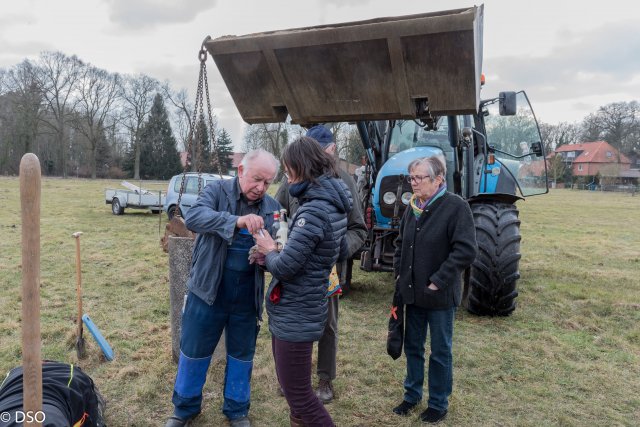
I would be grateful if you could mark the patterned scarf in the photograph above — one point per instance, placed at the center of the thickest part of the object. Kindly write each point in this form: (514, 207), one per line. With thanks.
(418, 207)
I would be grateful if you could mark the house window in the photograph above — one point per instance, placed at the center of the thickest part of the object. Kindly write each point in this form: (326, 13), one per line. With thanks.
(571, 154)
(579, 167)
(609, 154)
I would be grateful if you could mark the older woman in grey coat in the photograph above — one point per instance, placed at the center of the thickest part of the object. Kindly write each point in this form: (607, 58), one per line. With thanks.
(436, 243)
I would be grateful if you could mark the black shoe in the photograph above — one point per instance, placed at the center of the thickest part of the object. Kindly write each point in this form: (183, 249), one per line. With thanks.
(177, 422)
(433, 416)
(325, 391)
(404, 408)
(240, 422)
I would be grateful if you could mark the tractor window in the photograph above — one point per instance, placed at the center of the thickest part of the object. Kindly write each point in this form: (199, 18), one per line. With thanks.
(514, 139)
(408, 134)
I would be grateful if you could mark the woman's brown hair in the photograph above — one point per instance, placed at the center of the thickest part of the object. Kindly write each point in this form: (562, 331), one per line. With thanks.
(307, 160)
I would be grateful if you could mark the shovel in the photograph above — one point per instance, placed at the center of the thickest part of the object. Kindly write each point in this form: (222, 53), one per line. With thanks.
(80, 345)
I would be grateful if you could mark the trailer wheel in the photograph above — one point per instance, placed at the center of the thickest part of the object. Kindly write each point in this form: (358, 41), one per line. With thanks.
(494, 273)
(116, 207)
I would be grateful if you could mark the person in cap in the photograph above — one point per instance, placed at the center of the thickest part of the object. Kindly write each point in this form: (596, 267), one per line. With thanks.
(356, 234)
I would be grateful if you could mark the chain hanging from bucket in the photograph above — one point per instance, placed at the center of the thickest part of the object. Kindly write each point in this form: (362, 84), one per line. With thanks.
(194, 131)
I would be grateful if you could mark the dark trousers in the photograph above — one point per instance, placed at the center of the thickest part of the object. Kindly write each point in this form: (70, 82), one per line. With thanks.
(293, 369)
(328, 344)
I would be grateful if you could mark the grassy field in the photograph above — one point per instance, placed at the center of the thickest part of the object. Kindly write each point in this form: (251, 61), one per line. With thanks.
(569, 355)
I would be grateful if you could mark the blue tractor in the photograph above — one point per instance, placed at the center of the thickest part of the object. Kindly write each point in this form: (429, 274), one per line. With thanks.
(411, 85)
(494, 158)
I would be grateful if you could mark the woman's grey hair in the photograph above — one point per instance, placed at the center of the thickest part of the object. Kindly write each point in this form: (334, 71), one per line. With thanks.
(435, 165)
(259, 152)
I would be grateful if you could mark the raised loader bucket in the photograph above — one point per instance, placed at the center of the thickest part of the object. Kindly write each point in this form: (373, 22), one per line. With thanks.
(389, 68)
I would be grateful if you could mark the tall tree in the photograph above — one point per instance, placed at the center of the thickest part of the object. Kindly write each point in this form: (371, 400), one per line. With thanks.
(159, 158)
(137, 94)
(617, 123)
(224, 151)
(271, 137)
(57, 75)
(556, 167)
(553, 136)
(27, 105)
(98, 92)
(183, 110)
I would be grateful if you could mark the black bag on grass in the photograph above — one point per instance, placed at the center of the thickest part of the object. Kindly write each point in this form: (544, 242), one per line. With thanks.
(395, 336)
(69, 398)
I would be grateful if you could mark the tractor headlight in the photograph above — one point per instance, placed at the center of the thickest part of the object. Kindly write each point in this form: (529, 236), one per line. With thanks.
(406, 197)
(389, 198)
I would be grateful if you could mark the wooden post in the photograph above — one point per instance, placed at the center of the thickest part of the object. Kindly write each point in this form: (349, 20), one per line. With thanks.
(31, 358)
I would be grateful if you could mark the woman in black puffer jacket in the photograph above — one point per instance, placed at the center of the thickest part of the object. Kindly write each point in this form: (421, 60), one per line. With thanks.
(296, 298)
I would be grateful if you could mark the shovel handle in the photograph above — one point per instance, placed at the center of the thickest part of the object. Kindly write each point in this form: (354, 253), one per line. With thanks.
(31, 356)
(77, 235)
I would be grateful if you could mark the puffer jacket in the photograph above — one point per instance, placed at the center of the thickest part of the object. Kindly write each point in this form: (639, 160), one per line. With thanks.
(316, 239)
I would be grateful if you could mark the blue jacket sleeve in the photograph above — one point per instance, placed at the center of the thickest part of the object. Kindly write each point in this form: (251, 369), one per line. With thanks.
(210, 214)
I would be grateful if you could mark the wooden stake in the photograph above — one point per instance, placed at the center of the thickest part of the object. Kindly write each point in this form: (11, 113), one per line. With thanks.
(31, 355)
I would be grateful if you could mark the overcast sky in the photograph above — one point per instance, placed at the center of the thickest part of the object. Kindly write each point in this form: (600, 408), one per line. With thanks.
(570, 56)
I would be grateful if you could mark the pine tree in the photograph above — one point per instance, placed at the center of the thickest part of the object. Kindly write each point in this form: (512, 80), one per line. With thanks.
(225, 151)
(159, 158)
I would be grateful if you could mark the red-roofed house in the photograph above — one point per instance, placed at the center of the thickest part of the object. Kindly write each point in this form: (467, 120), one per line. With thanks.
(593, 158)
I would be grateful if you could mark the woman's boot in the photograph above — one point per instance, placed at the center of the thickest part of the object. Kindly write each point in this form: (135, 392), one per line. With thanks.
(295, 422)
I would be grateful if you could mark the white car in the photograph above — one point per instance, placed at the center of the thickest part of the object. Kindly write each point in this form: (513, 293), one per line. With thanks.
(190, 192)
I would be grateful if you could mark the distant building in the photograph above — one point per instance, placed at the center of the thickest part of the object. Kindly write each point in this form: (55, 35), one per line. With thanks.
(590, 159)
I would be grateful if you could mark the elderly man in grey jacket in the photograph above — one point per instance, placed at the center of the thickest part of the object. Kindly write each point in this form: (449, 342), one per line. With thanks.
(226, 290)
(356, 234)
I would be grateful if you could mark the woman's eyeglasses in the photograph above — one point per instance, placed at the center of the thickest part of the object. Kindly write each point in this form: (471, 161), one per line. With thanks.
(416, 178)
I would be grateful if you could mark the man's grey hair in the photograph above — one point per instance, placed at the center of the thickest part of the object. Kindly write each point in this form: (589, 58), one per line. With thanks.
(436, 165)
(257, 153)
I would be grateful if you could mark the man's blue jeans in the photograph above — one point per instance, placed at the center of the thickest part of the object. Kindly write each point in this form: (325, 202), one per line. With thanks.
(202, 325)
(440, 326)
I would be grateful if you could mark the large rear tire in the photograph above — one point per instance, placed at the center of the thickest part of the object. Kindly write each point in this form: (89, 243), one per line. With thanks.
(494, 273)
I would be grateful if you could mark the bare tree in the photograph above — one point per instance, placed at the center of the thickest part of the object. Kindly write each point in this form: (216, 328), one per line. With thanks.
(136, 93)
(553, 136)
(57, 75)
(98, 92)
(21, 87)
(617, 123)
(556, 167)
(271, 137)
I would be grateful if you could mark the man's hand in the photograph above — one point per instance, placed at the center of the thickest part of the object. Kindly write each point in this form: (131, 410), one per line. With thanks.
(257, 258)
(251, 222)
(433, 287)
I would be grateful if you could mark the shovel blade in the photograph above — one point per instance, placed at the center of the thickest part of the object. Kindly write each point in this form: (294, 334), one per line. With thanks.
(81, 348)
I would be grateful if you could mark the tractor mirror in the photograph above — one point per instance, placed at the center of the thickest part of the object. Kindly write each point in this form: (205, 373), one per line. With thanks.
(536, 148)
(507, 104)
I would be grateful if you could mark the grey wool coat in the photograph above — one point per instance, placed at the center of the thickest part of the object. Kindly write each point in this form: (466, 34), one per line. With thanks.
(436, 249)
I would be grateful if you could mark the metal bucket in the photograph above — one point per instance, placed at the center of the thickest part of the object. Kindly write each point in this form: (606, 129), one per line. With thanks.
(403, 67)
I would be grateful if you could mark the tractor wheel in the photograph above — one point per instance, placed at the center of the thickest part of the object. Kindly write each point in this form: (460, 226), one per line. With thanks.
(116, 207)
(494, 273)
